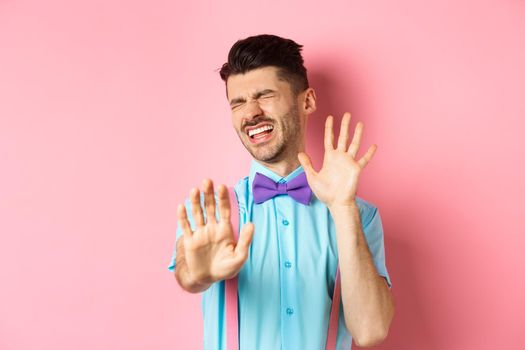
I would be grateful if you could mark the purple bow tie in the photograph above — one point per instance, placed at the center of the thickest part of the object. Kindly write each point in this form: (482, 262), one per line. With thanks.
(265, 188)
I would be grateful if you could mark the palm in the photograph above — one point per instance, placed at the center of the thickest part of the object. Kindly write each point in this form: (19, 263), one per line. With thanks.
(211, 252)
(336, 183)
(213, 245)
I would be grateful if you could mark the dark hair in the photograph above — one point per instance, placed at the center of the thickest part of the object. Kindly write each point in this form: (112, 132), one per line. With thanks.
(268, 50)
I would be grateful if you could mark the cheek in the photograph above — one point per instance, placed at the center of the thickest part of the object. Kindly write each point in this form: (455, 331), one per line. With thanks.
(275, 108)
(284, 108)
(236, 123)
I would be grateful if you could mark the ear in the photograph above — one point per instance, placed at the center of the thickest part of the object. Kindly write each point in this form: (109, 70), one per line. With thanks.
(308, 101)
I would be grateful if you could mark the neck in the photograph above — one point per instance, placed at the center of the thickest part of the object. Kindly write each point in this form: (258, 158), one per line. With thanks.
(287, 164)
(282, 168)
(289, 161)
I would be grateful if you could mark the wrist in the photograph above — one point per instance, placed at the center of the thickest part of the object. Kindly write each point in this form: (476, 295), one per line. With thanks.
(343, 207)
(201, 278)
(187, 282)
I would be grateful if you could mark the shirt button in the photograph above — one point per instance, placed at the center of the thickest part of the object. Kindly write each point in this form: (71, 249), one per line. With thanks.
(288, 264)
(285, 222)
(289, 311)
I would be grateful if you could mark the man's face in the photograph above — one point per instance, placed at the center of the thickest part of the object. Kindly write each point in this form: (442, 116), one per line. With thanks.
(265, 114)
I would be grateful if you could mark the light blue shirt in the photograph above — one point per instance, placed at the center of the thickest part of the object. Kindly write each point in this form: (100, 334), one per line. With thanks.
(287, 283)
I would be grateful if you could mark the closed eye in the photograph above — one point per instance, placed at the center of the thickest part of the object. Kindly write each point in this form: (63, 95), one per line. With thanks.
(236, 106)
(265, 94)
(240, 101)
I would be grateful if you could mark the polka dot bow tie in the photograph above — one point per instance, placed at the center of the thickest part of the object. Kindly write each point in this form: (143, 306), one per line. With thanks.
(264, 188)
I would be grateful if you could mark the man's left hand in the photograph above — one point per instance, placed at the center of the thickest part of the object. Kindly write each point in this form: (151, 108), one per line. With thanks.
(336, 183)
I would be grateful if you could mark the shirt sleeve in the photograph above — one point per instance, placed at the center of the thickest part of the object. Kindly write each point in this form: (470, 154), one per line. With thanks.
(373, 231)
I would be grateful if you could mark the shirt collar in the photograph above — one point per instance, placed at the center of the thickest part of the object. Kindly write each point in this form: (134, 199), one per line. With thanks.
(257, 167)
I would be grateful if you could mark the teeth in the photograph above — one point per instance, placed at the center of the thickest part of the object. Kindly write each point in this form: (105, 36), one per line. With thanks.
(259, 130)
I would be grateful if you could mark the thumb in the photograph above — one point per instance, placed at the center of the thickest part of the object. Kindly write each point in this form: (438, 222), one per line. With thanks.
(245, 238)
(306, 163)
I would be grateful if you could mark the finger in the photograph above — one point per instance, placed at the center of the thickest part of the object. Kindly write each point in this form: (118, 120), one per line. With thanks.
(329, 133)
(356, 140)
(245, 238)
(182, 217)
(224, 203)
(368, 155)
(209, 200)
(343, 132)
(306, 163)
(196, 210)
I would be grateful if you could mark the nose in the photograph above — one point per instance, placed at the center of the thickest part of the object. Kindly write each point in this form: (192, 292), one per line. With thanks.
(252, 110)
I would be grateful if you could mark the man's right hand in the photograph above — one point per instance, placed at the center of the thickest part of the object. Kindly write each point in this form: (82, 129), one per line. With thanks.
(210, 252)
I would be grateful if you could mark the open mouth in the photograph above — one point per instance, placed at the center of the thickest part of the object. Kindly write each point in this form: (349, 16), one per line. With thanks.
(260, 134)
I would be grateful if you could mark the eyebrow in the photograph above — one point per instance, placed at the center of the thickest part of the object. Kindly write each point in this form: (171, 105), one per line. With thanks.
(255, 96)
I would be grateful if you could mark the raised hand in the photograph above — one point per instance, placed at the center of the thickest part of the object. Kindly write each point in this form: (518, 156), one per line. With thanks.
(336, 183)
(211, 252)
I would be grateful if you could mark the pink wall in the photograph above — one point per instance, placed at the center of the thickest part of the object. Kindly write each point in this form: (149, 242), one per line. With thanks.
(111, 110)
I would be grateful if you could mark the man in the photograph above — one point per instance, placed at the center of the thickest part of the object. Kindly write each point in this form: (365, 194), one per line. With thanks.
(288, 250)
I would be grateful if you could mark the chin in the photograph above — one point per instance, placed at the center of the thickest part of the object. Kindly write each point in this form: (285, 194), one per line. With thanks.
(269, 156)
(269, 152)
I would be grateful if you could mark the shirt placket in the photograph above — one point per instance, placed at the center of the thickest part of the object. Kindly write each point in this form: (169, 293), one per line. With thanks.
(287, 272)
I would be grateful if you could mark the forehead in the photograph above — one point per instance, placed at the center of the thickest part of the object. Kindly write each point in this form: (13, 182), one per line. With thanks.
(255, 80)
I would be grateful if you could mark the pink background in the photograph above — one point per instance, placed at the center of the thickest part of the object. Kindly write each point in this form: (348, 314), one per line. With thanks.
(110, 111)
